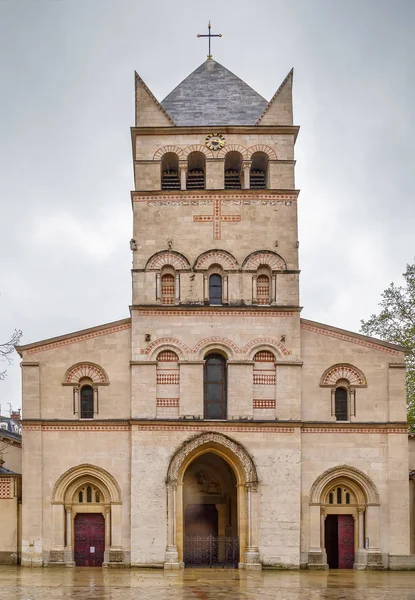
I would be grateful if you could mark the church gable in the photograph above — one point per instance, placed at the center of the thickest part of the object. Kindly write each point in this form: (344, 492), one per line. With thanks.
(279, 110)
(148, 111)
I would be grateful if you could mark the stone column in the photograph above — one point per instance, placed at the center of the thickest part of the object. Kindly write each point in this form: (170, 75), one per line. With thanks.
(58, 534)
(183, 174)
(252, 560)
(205, 288)
(322, 524)
(177, 288)
(361, 512)
(158, 286)
(274, 288)
(107, 527)
(116, 526)
(246, 165)
(69, 547)
(254, 289)
(225, 293)
(171, 560)
(317, 557)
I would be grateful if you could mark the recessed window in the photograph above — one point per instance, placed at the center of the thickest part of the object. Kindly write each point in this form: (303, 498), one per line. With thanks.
(87, 402)
(215, 387)
(340, 404)
(215, 289)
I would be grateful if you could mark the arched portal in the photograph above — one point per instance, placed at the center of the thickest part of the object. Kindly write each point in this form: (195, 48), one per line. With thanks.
(344, 520)
(209, 463)
(210, 512)
(86, 518)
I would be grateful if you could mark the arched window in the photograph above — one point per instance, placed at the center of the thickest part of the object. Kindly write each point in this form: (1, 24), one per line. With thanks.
(259, 169)
(233, 167)
(170, 172)
(195, 171)
(215, 401)
(89, 494)
(341, 493)
(215, 289)
(87, 402)
(81, 497)
(340, 404)
(167, 289)
(262, 290)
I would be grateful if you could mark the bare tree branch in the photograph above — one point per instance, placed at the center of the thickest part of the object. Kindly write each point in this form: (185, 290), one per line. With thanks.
(7, 349)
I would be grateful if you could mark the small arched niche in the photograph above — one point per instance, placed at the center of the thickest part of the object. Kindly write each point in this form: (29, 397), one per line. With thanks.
(170, 172)
(196, 171)
(259, 171)
(233, 170)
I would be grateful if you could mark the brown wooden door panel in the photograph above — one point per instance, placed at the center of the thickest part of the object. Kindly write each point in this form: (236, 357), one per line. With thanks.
(89, 540)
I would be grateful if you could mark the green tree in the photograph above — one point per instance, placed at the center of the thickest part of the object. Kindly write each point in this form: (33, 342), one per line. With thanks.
(396, 323)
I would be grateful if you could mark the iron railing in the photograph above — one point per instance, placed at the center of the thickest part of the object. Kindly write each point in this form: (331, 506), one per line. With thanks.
(211, 551)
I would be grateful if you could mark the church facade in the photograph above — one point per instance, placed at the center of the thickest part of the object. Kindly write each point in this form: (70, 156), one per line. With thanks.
(215, 425)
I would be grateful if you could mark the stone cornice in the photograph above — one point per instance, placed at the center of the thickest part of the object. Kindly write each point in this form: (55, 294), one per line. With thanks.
(188, 195)
(232, 425)
(202, 130)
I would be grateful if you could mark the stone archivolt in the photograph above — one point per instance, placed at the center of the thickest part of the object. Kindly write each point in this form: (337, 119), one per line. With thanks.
(86, 472)
(346, 473)
(216, 257)
(352, 374)
(210, 440)
(264, 257)
(167, 257)
(86, 369)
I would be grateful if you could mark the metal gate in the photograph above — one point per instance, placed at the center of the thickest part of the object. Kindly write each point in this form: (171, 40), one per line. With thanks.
(211, 551)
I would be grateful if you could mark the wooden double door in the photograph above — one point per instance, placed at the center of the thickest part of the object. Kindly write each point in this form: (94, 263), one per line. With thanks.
(89, 540)
(339, 541)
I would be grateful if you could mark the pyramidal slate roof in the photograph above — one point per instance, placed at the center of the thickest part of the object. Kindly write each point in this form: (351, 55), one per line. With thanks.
(212, 95)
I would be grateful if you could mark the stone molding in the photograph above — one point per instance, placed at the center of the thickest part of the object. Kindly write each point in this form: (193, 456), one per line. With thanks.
(264, 257)
(167, 257)
(348, 472)
(85, 470)
(207, 439)
(85, 369)
(219, 257)
(352, 374)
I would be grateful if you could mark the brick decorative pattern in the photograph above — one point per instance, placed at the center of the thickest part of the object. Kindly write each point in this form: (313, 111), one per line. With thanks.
(349, 338)
(210, 313)
(167, 402)
(271, 259)
(168, 378)
(217, 218)
(263, 198)
(264, 356)
(78, 338)
(227, 428)
(167, 356)
(233, 148)
(167, 289)
(258, 403)
(86, 369)
(262, 290)
(161, 259)
(354, 430)
(5, 488)
(262, 379)
(167, 149)
(349, 372)
(169, 341)
(197, 148)
(262, 148)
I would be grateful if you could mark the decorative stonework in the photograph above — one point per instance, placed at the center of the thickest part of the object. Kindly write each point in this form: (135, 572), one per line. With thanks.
(167, 402)
(86, 369)
(5, 488)
(215, 340)
(264, 379)
(167, 356)
(211, 438)
(116, 556)
(72, 339)
(197, 148)
(219, 257)
(233, 148)
(167, 257)
(346, 371)
(168, 379)
(264, 356)
(264, 257)
(57, 556)
(80, 471)
(270, 152)
(176, 344)
(344, 471)
(217, 218)
(260, 342)
(348, 338)
(259, 403)
(166, 150)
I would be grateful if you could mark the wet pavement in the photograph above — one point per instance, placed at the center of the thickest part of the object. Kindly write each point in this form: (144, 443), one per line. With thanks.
(202, 584)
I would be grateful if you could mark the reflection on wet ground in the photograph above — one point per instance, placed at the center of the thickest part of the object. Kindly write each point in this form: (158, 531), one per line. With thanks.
(202, 584)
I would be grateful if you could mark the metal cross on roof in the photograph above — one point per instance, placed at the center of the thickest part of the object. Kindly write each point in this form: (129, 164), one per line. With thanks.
(209, 35)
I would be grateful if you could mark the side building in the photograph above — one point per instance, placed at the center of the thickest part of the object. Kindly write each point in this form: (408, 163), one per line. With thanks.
(214, 425)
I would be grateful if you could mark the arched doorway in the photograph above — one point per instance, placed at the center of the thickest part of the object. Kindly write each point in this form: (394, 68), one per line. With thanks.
(86, 518)
(344, 521)
(210, 513)
(205, 463)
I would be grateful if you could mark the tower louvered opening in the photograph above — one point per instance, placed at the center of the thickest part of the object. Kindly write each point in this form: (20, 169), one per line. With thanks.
(170, 172)
(196, 171)
(233, 168)
(259, 168)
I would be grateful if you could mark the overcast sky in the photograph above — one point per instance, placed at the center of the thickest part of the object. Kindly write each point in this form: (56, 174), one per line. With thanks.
(66, 83)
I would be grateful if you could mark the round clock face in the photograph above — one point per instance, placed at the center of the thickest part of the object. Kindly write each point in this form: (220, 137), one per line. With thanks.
(215, 141)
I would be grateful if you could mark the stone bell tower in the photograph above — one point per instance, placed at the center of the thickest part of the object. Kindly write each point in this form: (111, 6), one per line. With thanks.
(215, 244)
